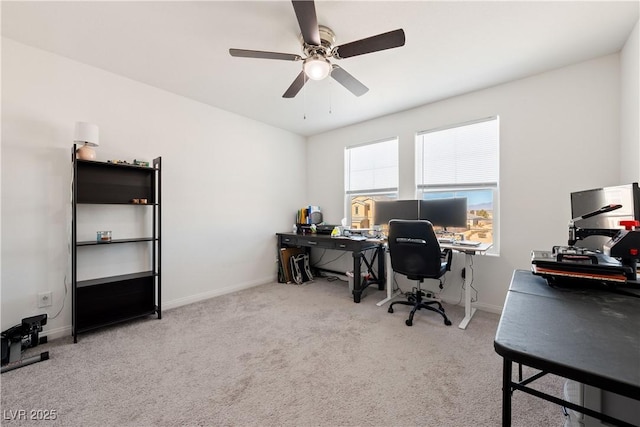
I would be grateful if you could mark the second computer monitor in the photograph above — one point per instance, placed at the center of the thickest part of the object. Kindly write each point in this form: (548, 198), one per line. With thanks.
(385, 211)
(445, 213)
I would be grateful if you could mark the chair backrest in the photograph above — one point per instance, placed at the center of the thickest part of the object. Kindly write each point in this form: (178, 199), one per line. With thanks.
(414, 249)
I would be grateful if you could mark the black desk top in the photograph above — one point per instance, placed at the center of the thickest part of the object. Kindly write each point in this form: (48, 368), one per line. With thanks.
(327, 241)
(589, 335)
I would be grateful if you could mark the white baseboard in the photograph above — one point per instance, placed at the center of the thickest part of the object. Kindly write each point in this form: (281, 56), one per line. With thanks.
(66, 331)
(62, 331)
(215, 293)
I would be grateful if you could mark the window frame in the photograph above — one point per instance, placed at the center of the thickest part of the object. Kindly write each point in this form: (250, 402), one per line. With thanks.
(382, 192)
(421, 188)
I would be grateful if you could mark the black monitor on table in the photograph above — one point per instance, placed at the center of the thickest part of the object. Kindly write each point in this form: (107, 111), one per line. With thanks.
(446, 213)
(386, 210)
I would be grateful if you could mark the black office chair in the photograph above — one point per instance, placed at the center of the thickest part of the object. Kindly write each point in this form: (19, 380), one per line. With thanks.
(415, 253)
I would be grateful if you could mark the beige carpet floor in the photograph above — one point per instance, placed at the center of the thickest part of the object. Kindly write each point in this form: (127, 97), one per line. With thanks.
(277, 355)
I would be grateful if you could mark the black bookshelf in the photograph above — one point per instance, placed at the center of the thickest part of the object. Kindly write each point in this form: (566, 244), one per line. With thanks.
(105, 301)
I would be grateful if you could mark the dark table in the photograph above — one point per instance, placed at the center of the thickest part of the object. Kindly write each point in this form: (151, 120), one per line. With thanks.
(358, 248)
(587, 334)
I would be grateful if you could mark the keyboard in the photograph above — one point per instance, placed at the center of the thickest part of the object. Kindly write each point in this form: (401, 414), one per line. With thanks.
(357, 237)
(445, 240)
(467, 243)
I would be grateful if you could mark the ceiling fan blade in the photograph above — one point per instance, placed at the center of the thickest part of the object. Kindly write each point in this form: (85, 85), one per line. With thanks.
(295, 86)
(308, 21)
(370, 44)
(347, 80)
(244, 53)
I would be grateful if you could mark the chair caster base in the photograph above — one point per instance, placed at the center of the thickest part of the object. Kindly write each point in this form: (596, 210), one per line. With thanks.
(408, 322)
(390, 310)
(447, 322)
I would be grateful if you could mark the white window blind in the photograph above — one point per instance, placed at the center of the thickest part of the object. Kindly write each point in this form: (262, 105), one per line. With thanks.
(464, 155)
(372, 167)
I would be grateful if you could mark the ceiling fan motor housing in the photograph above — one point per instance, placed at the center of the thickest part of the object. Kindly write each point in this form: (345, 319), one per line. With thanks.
(327, 41)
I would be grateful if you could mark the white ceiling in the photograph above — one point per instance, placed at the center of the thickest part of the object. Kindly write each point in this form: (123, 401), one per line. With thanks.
(452, 47)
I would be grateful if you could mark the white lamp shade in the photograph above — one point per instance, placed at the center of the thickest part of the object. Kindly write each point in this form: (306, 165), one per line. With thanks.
(316, 67)
(87, 133)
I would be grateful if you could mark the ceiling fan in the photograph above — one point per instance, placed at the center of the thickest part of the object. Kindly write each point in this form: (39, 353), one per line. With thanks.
(318, 46)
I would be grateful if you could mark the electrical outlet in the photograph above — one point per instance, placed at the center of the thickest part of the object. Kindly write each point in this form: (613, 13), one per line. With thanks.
(45, 299)
(464, 273)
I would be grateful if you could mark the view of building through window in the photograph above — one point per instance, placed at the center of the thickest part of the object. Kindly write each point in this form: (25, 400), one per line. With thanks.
(363, 209)
(479, 212)
(451, 162)
(462, 161)
(371, 174)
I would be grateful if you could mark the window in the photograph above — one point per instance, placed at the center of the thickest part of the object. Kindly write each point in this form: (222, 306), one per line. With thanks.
(462, 161)
(371, 174)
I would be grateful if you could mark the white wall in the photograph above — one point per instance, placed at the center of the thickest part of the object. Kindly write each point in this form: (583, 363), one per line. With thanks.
(559, 132)
(226, 182)
(630, 108)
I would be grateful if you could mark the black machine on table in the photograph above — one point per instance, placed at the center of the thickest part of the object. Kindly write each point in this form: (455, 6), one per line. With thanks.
(17, 339)
(616, 264)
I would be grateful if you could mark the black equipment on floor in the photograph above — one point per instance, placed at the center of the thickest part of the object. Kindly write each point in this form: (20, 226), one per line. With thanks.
(415, 253)
(17, 339)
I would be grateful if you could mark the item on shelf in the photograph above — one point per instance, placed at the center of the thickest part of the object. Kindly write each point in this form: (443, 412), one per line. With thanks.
(140, 163)
(135, 201)
(87, 134)
(143, 201)
(103, 236)
(118, 162)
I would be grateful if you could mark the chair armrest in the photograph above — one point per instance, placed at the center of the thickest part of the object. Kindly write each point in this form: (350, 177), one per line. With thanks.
(448, 255)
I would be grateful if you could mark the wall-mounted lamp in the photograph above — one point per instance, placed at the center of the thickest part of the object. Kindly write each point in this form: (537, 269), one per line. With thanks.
(86, 133)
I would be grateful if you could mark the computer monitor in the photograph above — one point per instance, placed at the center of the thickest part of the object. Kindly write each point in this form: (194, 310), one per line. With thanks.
(386, 210)
(586, 201)
(446, 213)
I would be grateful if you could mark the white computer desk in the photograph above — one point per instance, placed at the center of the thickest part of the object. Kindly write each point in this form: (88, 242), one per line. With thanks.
(469, 252)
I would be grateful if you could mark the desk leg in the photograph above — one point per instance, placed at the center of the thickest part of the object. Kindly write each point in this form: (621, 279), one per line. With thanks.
(357, 278)
(468, 310)
(381, 267)
(506, 392)
(389, 282)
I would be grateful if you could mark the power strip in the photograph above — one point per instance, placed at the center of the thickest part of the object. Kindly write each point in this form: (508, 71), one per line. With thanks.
(431, 296)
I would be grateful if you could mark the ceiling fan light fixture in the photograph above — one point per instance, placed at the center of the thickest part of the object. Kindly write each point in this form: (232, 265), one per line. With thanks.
(318, 45)
(316, 67)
